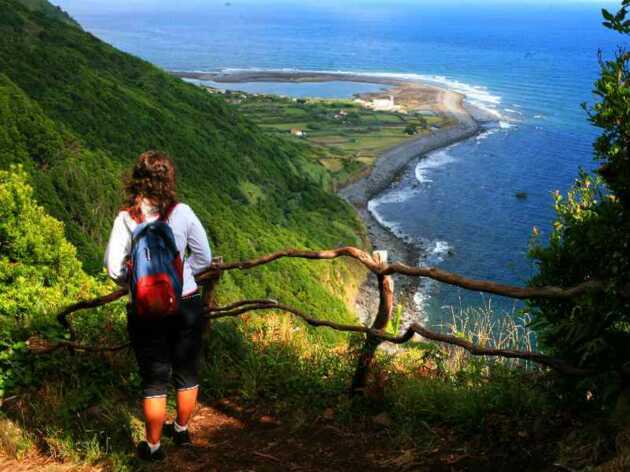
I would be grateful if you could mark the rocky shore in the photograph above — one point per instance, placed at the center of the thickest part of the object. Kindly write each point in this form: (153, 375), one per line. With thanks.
(387, 169)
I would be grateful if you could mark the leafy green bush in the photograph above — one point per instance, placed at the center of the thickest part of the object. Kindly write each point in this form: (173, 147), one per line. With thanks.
(39, 274)
(591, 236)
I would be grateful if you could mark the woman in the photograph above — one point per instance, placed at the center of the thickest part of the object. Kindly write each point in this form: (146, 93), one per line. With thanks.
(170, 345)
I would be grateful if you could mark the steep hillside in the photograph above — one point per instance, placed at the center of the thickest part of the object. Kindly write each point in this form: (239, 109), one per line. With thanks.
(76, 112)
(49, 10)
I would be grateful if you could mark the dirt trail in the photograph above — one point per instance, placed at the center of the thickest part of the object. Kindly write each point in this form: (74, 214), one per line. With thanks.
(231, 436)
(11, 465)
(227, 437)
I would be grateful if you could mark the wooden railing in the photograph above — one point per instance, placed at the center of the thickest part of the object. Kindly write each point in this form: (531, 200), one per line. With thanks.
(375, 334)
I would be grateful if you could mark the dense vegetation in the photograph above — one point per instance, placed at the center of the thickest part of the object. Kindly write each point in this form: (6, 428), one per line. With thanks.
(591, 238)
(75, 112)
(49, 10)
(89, 413)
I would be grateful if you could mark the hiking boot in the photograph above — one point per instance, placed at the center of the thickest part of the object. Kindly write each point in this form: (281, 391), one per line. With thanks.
(144, 452)
(181, 438)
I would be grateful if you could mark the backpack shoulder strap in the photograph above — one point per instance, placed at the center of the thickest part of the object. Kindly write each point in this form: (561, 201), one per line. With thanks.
(158, 228)
(139, 231)
(136, 215)
(170, 209)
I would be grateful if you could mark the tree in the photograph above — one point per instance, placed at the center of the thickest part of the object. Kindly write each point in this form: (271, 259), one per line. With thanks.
(591, 235)
(411, 130)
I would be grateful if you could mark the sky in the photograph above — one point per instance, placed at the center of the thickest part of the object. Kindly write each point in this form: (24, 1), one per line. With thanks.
(103, 6)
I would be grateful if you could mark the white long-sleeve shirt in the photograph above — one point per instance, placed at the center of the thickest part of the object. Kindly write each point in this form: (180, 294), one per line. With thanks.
(190, 238)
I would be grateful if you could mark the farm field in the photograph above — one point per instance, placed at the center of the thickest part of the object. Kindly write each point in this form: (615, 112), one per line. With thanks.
(345, 137)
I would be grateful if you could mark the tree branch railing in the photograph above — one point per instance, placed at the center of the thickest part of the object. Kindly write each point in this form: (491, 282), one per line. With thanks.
(434, 273)
(375, 334)
(246, 306)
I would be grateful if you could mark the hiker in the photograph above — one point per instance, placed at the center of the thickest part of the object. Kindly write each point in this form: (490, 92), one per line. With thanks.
(156, 247)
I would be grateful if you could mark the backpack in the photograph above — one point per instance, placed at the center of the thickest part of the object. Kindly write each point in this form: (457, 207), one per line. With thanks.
(155, 270)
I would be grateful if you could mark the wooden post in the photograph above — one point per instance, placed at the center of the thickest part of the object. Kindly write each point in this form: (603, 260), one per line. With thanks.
(386, 304)
(209, 300)
(209, 297)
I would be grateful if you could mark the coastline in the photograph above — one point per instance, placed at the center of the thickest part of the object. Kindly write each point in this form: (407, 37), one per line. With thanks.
(386, 170)
(388, 167)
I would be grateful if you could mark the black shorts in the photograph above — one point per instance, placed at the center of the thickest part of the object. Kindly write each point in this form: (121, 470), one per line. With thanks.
(169, 348)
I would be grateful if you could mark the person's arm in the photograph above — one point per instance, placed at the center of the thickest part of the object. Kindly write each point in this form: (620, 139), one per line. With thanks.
(200, 255)
(118, 250)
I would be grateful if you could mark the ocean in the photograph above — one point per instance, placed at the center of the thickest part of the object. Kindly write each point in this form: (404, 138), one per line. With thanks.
(534, 65)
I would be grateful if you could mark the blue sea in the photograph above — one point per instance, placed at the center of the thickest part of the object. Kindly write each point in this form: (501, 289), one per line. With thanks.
(532, 64)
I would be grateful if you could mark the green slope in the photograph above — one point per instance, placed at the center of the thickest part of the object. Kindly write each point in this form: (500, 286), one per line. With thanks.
(76, 112)
(49, 10)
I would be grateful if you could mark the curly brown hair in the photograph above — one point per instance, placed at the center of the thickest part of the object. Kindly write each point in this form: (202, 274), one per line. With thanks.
(153, 179)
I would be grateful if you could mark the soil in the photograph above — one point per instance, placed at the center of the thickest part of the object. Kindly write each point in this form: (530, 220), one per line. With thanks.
(230, 435)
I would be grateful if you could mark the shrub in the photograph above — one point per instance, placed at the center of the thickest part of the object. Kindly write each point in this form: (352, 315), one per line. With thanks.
(39, 273)
(591, 236)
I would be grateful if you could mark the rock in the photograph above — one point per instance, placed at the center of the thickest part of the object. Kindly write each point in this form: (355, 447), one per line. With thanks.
(521, 195)
(328, 414)
(383, 419)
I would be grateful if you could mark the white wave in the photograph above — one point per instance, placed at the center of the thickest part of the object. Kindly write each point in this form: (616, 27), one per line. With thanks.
(539, 117)
(398, 195)
(486, 134)
(395, 228)
(477, 95)
(394, 196)
(433, 160)
(420, 299)
(505, 125)
(435, 252)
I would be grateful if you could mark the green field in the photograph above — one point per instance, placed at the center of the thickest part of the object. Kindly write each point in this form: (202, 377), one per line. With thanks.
(344, 136)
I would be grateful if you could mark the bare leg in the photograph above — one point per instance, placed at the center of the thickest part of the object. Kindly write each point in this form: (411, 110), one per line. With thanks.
(186, 403)
(154, 415)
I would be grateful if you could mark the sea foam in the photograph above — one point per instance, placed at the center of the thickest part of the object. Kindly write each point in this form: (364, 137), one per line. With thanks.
(435, 252)
(393, 196)
(433, 160)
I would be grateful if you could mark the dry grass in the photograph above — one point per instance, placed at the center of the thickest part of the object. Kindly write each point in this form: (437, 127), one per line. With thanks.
(484, 326)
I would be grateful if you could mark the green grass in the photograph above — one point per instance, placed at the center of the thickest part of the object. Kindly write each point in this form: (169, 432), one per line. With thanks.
(271, 360)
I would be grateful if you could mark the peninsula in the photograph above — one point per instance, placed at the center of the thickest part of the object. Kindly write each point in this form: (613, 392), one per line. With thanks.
(365, 142)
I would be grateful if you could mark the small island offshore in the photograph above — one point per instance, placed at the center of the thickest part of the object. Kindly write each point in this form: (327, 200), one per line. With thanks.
(365, 141)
